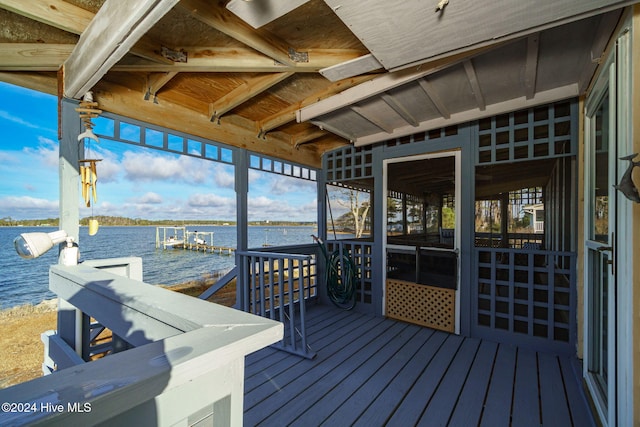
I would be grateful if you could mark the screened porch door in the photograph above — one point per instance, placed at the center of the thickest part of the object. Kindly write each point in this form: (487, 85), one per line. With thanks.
(600, 233)
(422, 239)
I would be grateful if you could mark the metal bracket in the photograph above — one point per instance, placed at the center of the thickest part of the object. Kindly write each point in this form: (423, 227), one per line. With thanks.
(174, 55)
(298, 56)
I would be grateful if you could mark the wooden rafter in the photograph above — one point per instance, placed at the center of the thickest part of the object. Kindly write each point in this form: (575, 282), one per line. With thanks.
(288, 115)
(98, 50)
(600, 39)
(434, 97)
(244, 92)
(376, 121)
(55, 13)
(400, 109)
(540, 98)
(383, 83)
(531, 66)
(240, 133)
(156, 81)
(226, 22)
(33, 56)
(325, 126)
(307, 137)
(73, 19)
(216, 59)
(42, 82)
(475, 85)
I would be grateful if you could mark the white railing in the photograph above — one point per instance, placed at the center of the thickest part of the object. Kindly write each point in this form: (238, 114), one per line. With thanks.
(186, 367)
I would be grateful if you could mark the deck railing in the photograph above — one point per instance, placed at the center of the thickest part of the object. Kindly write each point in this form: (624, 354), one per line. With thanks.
(186, 367)
(277, 286)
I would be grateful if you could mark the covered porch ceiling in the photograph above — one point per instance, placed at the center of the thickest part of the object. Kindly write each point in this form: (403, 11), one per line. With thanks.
(295, 79)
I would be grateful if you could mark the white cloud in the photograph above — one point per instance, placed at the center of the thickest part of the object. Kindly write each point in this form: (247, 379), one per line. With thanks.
(150, 198)
(210, 200)
(146, 167)
(26, 207)
(6, 157)
(19, 121)
(284, 184)
(46, 152)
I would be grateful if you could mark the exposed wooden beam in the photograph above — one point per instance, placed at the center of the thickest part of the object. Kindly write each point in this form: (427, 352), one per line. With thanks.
(244, 92)
(55, 13)
(325, 126)
(73, 19)
(221, 19)
(123, 101)
(307, 137)
(376, 121)
(289, 114)
(99, 49)
(215, 59)
(540, 98)
(33, 56)
(400, 109)
(531, 65)
(434, 97)
(155, 82)
(42, 82)
(475, 85)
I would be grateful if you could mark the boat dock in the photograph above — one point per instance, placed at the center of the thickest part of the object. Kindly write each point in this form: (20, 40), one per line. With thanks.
(181, 238)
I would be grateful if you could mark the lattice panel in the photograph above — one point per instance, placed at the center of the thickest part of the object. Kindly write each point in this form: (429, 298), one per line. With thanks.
(421, 304)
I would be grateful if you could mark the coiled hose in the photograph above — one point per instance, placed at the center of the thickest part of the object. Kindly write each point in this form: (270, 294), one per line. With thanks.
(341, 276)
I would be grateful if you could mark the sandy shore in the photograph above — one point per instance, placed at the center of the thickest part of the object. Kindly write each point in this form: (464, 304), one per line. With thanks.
(21, 350)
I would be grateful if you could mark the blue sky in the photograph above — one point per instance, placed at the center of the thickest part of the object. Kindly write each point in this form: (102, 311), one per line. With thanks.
(132, 182)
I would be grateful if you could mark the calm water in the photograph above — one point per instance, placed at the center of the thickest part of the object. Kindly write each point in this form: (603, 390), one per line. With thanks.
(25, 281)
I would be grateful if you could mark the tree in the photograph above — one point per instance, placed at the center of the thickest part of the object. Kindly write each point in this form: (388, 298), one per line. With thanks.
(358, 210)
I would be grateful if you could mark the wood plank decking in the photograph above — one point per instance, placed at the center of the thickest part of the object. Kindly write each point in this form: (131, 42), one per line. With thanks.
(373, 371)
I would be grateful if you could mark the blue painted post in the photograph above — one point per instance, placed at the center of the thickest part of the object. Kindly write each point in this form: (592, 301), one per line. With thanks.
(69, 319)
(241, 162)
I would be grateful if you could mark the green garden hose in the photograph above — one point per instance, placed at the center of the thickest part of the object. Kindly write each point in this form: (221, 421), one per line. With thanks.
(341, 277)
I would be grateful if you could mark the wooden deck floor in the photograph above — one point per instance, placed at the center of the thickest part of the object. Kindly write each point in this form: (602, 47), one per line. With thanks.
(372, 371)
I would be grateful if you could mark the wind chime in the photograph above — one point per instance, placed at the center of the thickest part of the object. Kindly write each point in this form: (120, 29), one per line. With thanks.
(88, 110)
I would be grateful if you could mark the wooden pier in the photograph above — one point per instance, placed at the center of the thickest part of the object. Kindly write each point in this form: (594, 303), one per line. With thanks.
(221, 250)
(181, 238)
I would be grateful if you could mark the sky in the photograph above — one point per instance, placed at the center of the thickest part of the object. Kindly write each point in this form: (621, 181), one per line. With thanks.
(132, 182)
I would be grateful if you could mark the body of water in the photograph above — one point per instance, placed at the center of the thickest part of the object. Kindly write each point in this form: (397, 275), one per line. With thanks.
(24, 281)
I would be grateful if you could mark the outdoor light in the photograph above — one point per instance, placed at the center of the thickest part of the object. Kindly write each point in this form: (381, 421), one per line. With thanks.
(32, 245)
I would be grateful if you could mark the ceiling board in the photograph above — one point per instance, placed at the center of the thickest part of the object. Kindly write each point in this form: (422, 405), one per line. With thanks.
(415, 100)
(262, 12)
(19, 29)
(177, 26)
(406, 33)
(454, 88)
(378, 108)
(314, 25)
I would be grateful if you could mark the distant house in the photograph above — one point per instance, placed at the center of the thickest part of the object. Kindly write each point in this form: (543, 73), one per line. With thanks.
(535, 213)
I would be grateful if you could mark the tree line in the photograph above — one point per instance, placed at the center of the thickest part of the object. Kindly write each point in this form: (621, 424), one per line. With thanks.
(104, 220)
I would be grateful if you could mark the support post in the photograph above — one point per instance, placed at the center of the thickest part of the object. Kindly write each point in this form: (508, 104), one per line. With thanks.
(70, 151)
(241, 162)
